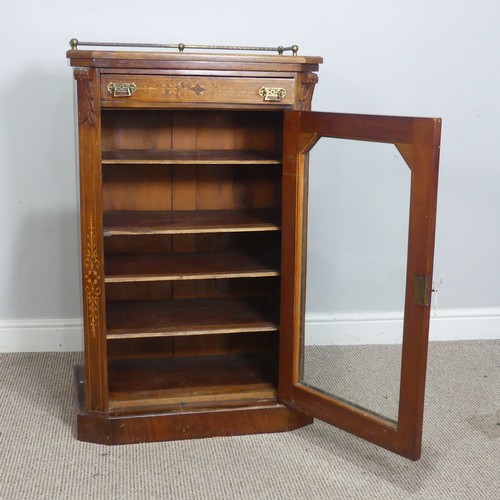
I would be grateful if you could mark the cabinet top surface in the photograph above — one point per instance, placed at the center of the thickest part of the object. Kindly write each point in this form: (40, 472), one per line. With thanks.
(150, 59)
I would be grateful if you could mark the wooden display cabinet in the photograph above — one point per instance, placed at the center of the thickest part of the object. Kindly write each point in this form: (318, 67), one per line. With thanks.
(193, 175)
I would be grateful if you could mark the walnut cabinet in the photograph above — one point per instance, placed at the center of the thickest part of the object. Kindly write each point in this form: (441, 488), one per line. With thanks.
(193, 182)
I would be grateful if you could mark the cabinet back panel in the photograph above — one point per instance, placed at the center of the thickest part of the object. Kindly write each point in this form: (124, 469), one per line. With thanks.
(185, 130)
(129, 187)
(259, 342)
(161, 347)
(145, 243)
(254, 287)
(190, 187)
(266, 241)
(165, 347)
(136, 130)
(184, 192)
(139, 291)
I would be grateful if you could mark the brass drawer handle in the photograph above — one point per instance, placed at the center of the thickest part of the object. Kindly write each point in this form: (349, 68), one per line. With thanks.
(121, 89)
(272, 93)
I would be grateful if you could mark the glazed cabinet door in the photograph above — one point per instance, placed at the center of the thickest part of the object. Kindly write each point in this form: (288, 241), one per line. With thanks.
(359, 211)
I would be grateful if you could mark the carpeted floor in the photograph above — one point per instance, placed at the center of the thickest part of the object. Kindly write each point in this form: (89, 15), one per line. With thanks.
(365, 375)
(41, 459)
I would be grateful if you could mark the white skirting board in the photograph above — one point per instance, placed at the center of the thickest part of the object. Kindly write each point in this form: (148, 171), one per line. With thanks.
(387, 328)
(322, 329)
(33, 335)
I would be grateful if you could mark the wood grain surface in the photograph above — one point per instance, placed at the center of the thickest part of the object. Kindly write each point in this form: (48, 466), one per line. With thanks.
(189, 221)
(203, 316)
(120, 268)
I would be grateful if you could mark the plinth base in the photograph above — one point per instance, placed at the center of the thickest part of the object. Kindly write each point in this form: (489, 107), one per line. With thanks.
(148, 426)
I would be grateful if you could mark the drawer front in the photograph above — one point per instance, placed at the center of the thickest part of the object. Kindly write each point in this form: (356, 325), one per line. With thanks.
(202, 90)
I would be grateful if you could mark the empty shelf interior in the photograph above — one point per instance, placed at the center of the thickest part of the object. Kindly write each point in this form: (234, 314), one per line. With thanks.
(187, 157)
(121, 268)
(204, 316)
(129, 222)
(193, 380)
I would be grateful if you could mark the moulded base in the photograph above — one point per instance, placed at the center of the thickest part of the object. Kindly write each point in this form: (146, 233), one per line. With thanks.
(148, 426)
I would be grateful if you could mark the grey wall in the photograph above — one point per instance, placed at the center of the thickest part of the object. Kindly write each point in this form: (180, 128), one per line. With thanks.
(421, 58)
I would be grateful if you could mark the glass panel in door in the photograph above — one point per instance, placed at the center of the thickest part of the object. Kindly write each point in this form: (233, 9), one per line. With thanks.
(359, 212)
(356, 259)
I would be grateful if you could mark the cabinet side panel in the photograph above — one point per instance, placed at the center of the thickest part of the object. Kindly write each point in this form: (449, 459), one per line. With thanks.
(94, 315)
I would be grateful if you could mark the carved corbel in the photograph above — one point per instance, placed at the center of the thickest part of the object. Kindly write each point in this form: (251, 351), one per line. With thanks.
(84, 79)
(309, 81)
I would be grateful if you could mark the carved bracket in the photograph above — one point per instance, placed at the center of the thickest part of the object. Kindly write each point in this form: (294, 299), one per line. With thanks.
(84, 79)
(309, 81)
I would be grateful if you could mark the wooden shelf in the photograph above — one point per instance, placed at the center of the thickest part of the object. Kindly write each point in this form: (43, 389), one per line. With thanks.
(127, 268)
(139, 222)
(191, 381)
(196, 157)
(179, 317)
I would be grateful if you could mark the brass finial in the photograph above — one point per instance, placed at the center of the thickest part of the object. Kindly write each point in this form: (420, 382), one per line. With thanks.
(73, 43)
(295, 49)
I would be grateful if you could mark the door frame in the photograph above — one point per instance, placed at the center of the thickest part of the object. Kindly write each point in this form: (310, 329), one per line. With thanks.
(417, 139)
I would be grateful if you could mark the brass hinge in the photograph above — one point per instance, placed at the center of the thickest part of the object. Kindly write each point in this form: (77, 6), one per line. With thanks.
(422, 290)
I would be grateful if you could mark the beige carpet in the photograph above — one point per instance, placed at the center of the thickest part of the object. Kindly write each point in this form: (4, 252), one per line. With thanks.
(41, 459)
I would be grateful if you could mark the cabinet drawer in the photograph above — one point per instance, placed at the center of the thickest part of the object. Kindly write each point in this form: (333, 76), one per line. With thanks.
(124, 90)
